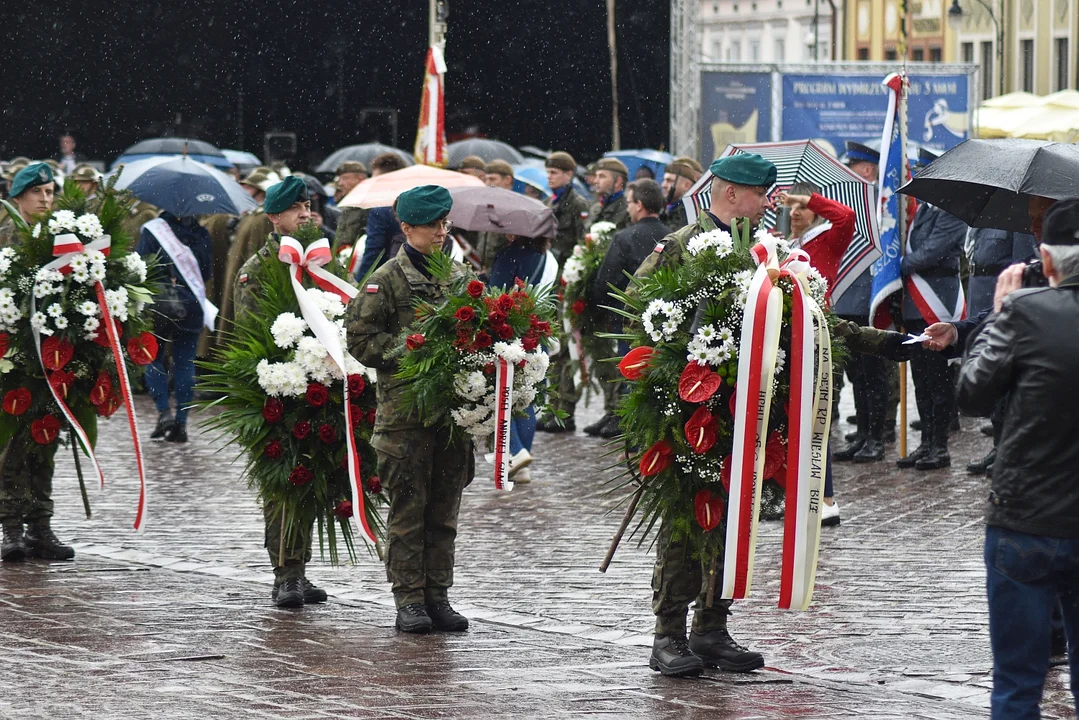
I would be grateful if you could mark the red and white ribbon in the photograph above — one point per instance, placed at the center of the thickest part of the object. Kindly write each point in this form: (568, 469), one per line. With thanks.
(503, 418)
(311, 260)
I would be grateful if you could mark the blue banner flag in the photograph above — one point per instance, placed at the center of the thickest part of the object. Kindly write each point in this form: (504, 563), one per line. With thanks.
(887, 278)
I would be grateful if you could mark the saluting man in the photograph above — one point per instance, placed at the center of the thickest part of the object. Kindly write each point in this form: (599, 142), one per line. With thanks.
(26, 476)
(423, 470)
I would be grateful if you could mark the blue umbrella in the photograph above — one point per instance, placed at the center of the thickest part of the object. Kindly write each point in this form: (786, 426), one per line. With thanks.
(239, 158)
(184, 187)
(655, 160)
(531, 175)
(216, 161)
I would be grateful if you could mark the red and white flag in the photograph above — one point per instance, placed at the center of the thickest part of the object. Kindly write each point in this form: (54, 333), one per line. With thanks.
(431, 136)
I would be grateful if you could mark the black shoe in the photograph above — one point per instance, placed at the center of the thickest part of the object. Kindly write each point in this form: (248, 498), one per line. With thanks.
(847, 453)
(414, 619)
(1058, 646)
(549, 423)
(42, 543)
(935, 459)
(718, 649)
(289, 594)
(852, 436)
(955, 426)
(595, 428)
(312, 594)
(911, 460)
(871, 451)
(176, 434)
(852, 419)
(672, 657)
(611, 429)
(889, 436)
(980, 467)
(164, 424)
(916, 425)
(14, 546)
(445, 618)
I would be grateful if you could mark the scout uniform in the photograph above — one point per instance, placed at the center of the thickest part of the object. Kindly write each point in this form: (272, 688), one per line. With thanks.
(26, 476)
(680, 577)
(674, 216)
(422, 468)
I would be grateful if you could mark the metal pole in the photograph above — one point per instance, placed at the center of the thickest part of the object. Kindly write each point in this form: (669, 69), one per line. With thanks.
(616, 135)
(816, 30)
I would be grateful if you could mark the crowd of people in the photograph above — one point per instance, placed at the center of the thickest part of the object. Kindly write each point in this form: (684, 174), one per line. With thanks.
(1020, 345)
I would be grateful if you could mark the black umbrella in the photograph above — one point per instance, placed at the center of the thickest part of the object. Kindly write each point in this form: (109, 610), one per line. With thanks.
(173, 146)
(364, 153)
(489, 150)
(988, 183)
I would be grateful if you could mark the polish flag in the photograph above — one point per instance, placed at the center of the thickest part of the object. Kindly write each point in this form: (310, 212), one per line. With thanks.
(431, 137)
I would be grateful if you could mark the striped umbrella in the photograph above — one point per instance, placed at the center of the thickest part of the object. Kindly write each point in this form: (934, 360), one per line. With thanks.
(806, 161)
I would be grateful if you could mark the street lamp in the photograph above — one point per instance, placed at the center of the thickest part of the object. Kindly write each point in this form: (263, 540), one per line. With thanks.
(955, 20)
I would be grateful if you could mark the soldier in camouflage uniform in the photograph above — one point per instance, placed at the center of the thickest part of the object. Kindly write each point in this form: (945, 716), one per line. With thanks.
(287, 208)
(352, 223)
(739, 190)
(250, 235)
(422, 468)
(26, 468)
(678, 178)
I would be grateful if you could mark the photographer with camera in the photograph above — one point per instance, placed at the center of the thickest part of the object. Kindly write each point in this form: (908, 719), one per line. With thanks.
(1027, 350)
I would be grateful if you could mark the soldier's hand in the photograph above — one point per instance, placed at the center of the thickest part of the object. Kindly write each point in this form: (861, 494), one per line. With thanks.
(941, 336)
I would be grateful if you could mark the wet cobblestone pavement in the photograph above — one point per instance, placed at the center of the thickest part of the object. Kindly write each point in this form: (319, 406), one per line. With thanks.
(177, 622)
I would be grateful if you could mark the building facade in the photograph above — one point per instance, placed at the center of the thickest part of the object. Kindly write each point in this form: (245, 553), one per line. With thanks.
(877, 30)
(769, 31)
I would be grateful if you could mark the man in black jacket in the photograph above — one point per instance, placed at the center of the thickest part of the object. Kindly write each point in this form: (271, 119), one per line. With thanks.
(1028, 350)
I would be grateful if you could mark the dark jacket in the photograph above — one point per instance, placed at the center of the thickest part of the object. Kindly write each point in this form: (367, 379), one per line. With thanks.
(570, 211)
(1028, 355)
(935, 245)
(194, 236)
(993, 250)
(384, 239)
(628, 250)
(516, 261)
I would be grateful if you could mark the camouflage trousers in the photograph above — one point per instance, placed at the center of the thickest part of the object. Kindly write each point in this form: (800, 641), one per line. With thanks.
(678, 580)
(26, 480)
(289, 547)
(563, 373)
(424, 474)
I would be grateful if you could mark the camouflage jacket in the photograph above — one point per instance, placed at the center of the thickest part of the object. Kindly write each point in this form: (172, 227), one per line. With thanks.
(7, 232)
(616, 212)
(676, 219)
(350, 226)
(374, 323)
(247, 284)
(570, 213)
(669, 250)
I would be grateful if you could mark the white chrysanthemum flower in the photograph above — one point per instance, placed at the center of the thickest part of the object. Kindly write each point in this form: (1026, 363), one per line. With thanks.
(54, 310)
(62, 221)
(135, 265)
(781, 360)
(601, 230)
(715, 356)
(97, 272)
(36, 232)
(511, 352)
(79, 263)
(90, 226)
(117, 303)
(82, 276)
(60, 322)
(88, 308)
(38, 321)
(311, 356)
(573, 270)
(523, 397)
(11, 315)
(328, 303)
(90, 325)
(287, 330)
(44, 290)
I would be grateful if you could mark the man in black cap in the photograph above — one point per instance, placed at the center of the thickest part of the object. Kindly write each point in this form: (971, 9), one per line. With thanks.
(739, 189)
(611, 179)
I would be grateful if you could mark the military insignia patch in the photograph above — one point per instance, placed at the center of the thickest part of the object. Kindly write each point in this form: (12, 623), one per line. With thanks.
(243, 278)
(658, 248)
(584, 215)
(371, 289)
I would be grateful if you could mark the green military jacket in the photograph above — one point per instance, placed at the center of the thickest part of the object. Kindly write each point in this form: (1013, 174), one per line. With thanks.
(249, 237)
(676, 219)
(570, 213)
(350, 226)
(246, 286)
(7, 232)
(669, 250)
(616, 212)
(488, 245)
(374, 323)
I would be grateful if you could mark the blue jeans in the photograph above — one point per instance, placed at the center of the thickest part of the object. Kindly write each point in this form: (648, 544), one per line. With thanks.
(828, 490)
(1025, 574)
(523, 431)
(184, 345)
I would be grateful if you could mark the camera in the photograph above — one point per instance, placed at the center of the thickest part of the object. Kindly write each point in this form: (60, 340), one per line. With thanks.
(1033, 277)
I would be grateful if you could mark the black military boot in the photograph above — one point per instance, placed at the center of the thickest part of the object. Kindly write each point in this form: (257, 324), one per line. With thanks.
(847, 453)
(718, 649)
(445, 618)
(312, 594)
(176, 434)
(14, 546)
(912, 459)
(42, 543)
(612, 428)
(671, 656)
(595, 428)
(549, 423)
(289, 594)
(164, 424)
(979, 467)
(871, 451)
(935, 459)
(414, 619)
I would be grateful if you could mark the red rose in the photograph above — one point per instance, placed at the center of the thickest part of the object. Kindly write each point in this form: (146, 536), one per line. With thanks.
(530, 342)
(102, 389)
(326, 433)
(142, 349)
(272, 411)
(505, 332)
(635, 362)
(519, 282)
(356, 384)
(698, 383)
(111, 405)
(61, 382)
(301, 430)
(56, 353)
(504, 302)
(5, 343)
(371, 417)
(356, 413)
(374, 484)
(657, 458)
(45, 429)
(343, 509)
(317, 394)
(489, 369)
(708, 508)
(578, 307)
(496, 318)
(273, 450)
(414, 342)
(300, 476)
(465, 314)
(483, 340)
(17, 401)
(475, 288)
(543, 328)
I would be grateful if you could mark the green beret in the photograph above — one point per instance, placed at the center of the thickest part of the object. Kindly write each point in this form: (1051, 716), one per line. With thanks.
(745, 169)
(281, 196)
(30, 176)
(423, 205)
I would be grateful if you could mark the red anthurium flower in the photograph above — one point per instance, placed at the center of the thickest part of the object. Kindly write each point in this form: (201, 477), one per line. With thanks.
(5, 343)
(17, 401)
(657, 458)
(775, 455)
(725, 473)
(733, 402)
(465, 314)
(61, 381)
(102, 389)
(415, 341)
(701, 432)
(635, 362)
(698, 383)
(110, 406)
(708, 508)
(56, 353)
(45, 429)
(142, 348)
(475, 288)
(343, 509)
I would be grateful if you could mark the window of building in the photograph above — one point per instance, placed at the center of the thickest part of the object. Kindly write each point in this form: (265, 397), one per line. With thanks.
(968, 52)
(890, 54)
(1062, 63)
(863, 53)
(917, 54)
(987, 70)
(717, 51)
(734, 51)
(935, 55)
(754, 51)
(780, 50)
(1027, 53)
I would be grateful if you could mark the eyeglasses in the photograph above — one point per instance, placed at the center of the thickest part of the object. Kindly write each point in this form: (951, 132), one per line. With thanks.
(444, 225)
